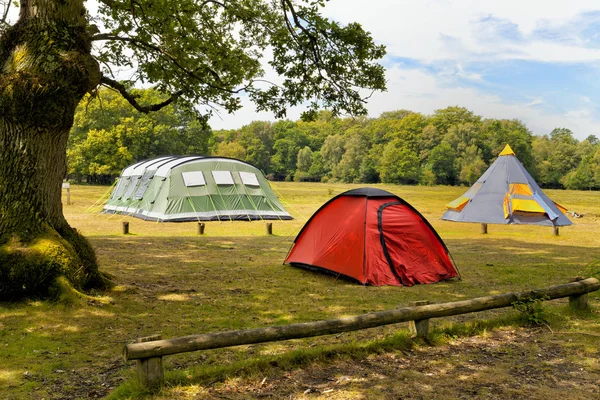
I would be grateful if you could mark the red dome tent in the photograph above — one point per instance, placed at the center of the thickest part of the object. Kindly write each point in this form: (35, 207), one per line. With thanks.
(374, 237)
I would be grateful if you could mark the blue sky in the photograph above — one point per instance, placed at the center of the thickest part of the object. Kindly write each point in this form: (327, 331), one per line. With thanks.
(537, 61)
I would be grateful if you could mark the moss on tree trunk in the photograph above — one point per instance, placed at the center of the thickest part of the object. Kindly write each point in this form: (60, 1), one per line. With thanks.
(45, 69)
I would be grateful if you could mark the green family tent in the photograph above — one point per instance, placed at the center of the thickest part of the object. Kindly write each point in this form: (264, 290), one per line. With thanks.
(506, 194)
(194, 188)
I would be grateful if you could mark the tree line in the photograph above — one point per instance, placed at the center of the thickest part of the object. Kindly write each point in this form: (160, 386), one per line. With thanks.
(452, 146)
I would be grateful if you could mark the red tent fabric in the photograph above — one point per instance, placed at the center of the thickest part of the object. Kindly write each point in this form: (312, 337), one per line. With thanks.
(374, 237)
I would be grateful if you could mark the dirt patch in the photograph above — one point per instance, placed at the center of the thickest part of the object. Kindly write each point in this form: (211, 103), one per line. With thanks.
(505, 364)
(90, 382)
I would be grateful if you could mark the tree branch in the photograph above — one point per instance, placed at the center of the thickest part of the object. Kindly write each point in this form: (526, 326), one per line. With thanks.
(173, 60)
(205, 2)
(131, 98)
(5, 16)
(313, 42)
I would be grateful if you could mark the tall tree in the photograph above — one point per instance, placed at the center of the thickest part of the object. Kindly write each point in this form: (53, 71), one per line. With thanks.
(499, 133)
(303, 165)
(408, 131)
(285, 159)
(563, 156)
(442, 163)
(399, 164)
(472, 165)
(348, 169)
(444, 118)
(257, 139)
(332, 151)
(202, 54)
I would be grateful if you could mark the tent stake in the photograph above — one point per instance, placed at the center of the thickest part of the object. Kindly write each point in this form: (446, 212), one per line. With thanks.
(269, 228)
(484, 229)
(201, 228)
(125, 227)
(555, 230)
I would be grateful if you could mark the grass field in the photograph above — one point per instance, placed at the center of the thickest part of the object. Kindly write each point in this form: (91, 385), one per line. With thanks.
(173, 282)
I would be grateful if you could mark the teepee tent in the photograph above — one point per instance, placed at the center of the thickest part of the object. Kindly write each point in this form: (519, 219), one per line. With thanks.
(506, 194)
(374, 237)
(194, 188)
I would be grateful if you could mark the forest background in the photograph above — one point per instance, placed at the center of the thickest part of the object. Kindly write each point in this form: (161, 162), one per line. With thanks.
(453, 146)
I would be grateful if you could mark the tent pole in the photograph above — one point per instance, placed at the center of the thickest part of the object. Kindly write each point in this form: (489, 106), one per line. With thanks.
(555, 230)
(223, 199)
(251, 201)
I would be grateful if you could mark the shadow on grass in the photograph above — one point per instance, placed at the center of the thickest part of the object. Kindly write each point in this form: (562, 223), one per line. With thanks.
(275, 365)
(459, 354)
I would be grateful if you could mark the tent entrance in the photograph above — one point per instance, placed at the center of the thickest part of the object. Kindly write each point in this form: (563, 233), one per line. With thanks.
(412, 249)
(390, 234)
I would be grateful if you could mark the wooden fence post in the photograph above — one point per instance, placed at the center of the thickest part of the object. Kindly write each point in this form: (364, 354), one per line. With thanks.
(125, 227)
(201, 228)
(419, 327)
(150, 372)
(484, 229)
(579, 301)
(269, 228)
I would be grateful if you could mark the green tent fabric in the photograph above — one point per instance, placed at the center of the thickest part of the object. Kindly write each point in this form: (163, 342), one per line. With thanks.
(194, 188)
(506, 194)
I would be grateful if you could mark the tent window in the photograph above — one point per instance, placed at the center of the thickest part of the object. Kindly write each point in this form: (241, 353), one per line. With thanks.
(132, 186)
(458, 204)
(121, 186)
(249, 178)
(223, 177)
(193, 178)
(146, 179)
(524, 205)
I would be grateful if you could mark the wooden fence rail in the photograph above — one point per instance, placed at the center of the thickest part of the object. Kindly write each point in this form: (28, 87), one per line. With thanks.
(149, 351)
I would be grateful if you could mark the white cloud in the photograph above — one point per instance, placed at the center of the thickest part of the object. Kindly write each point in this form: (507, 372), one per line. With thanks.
(424, 92)
(581, 113)
(552, 52)
(535, 102)
(422, 29)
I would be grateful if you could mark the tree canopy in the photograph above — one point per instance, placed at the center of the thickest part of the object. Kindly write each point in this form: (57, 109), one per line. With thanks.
(207, 53)
(405, 147)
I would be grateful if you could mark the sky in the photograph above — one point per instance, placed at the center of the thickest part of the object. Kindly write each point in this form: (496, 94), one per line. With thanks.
(533, 60)
(536, 61)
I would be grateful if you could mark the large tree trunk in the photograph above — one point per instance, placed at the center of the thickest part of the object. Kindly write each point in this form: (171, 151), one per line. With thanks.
(45, 69)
